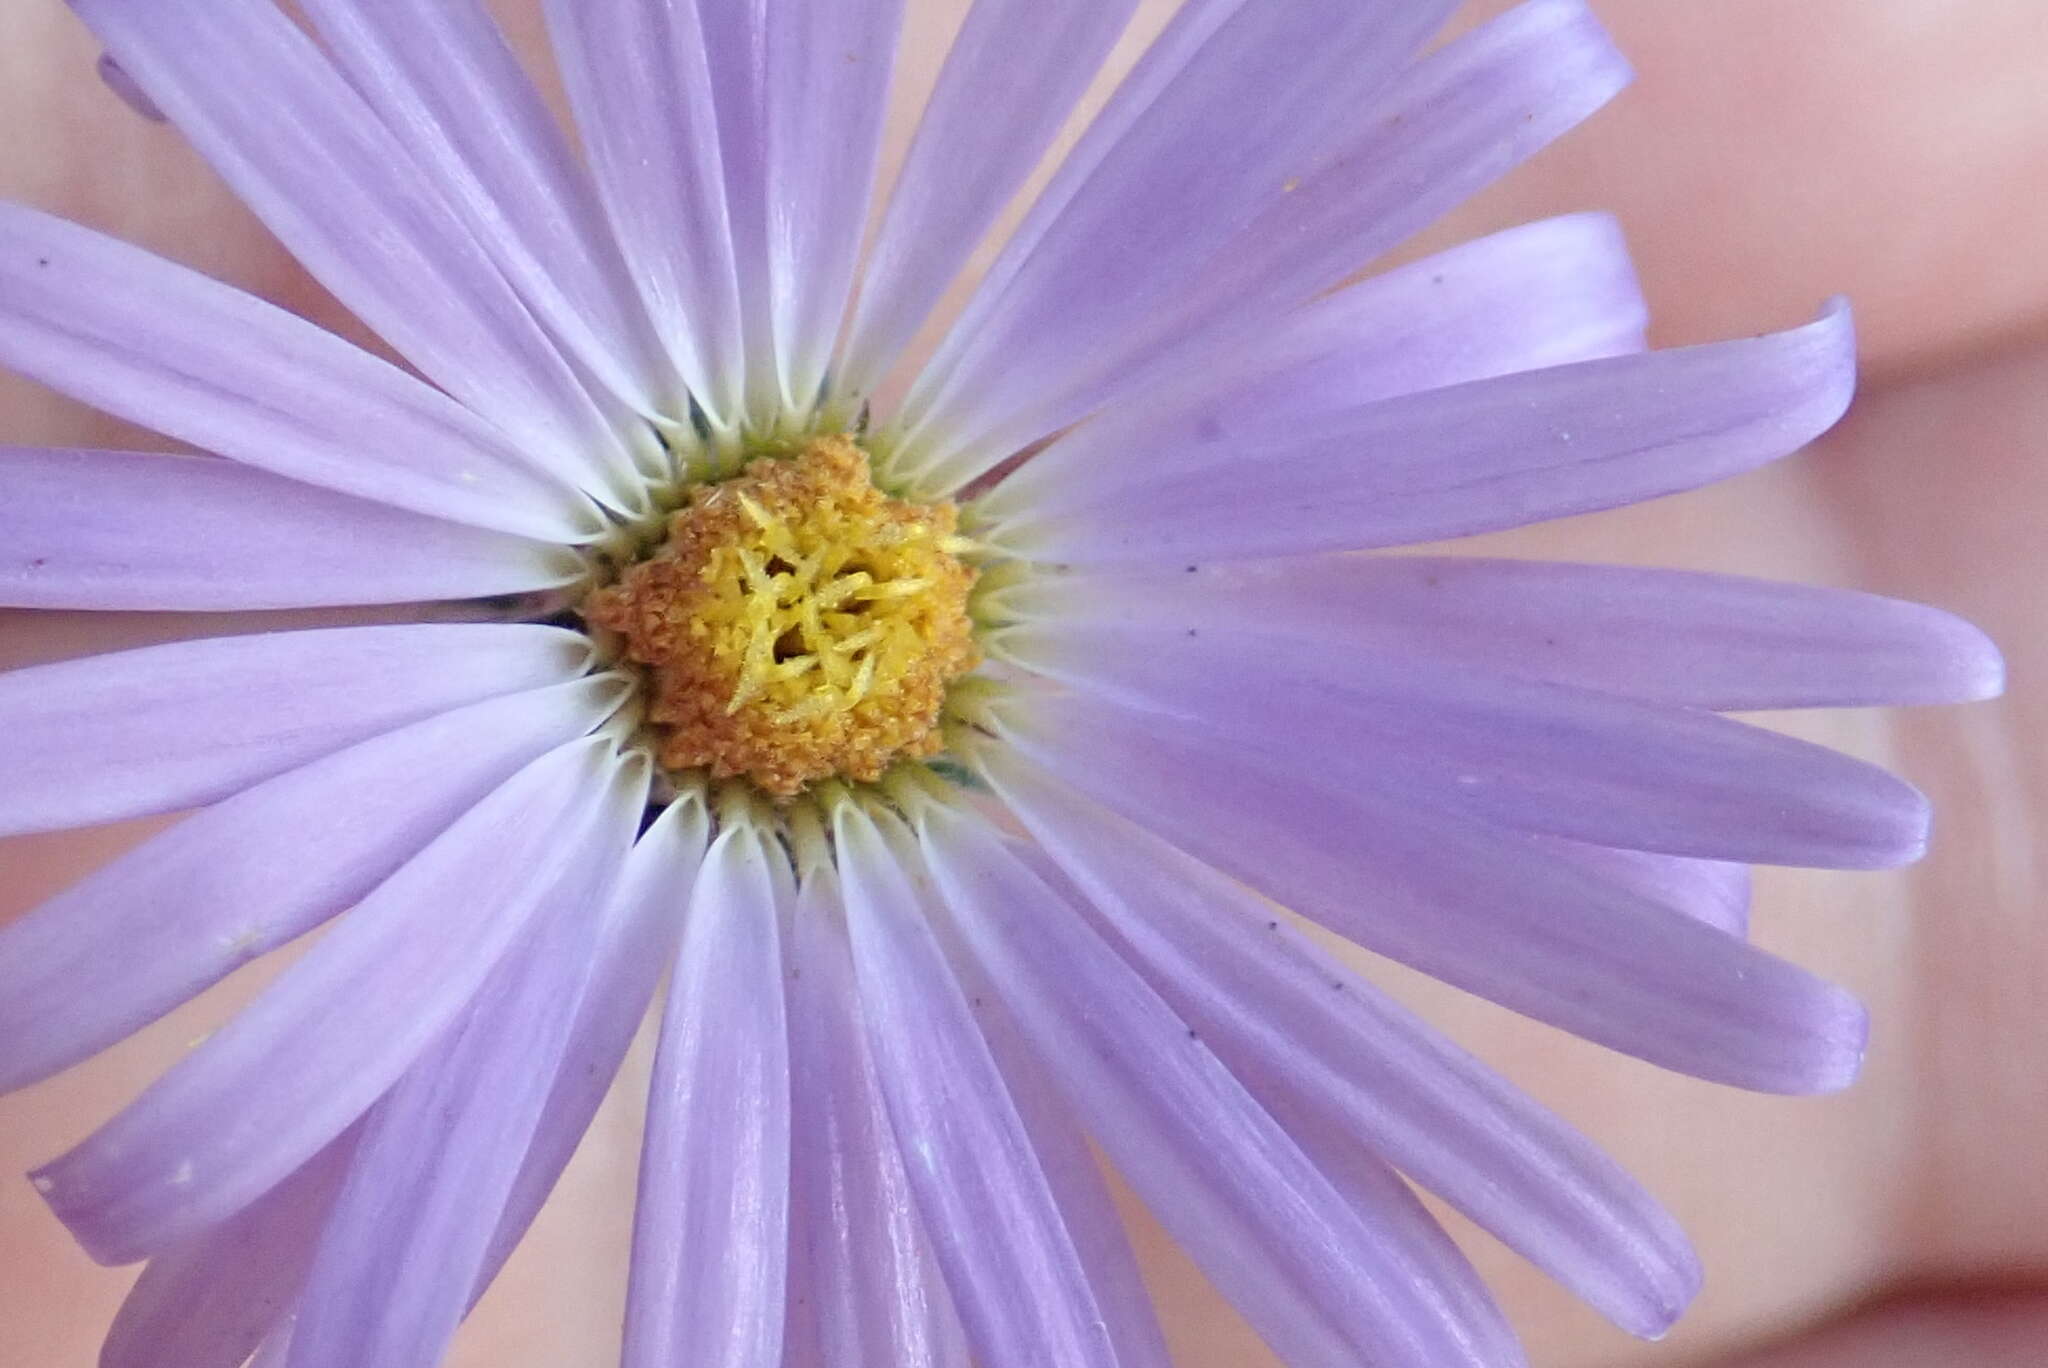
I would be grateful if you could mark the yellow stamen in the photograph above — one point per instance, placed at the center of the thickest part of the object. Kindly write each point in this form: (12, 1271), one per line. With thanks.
(798, 624)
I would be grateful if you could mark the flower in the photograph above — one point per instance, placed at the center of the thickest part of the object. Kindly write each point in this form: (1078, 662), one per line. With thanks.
(944, 750)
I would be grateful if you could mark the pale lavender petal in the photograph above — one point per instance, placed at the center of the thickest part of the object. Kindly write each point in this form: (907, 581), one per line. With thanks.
(1019, 1285)
(186, 908)
(450, 87)
(163, 346)
(1028, 59)
(1328, 1053)
(403, 1250)
(1249, 110)
(339, 1027)
(828, 67)
(1456, 461)
(1665, 636)
(1715, 892)
(190, 722)
(1538, 757)
(863, 1287)
(636, 942)
(1544, 294)
(1487, 910)
(141, 530)
(1453, 123)
(711, 1227)
(736, 37)
(1320, 1283)
(310, 159)
(209, 1303)
(641, 86)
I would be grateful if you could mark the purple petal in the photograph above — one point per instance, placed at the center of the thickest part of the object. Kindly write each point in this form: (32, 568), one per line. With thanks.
(163, 346)
(636, 940)
(1029, 59)
(402, 1253)
(186, 908)
(1019, 1285)
(1538, 757)
(1465, 459)
(1250, 109)
(641, 86)
(828, 66)
(450, 87)
(309, 158)
(1487, 910)
(1544, 294)
(1665, 636)
(1329, 1054)
(863, 1287)
(209, 1302)
(1318, 1282)
(711, 1228)
(339, 1027)
(139, 530)
(1454, 122)
(178, 725)
(1711, 891)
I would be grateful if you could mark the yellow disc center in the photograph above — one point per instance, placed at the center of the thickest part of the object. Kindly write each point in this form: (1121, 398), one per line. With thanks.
(797, 623)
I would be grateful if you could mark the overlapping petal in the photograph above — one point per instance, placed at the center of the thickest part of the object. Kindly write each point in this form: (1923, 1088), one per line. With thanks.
(1319, 1281)
(1030, 58)
(1020, 1287)
(1327, 1052)
(184, 909)
(309, 158)
(863, 1286)
(711, 1225)
(408, 1239)
(190, 722)
(1480, 907)
(163, 346)
(268, 1090)
(1452, 462)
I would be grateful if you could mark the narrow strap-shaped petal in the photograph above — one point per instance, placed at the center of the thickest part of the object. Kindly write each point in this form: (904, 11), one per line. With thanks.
(1017, 1281)
(636, 941)
(1455, 121)
(828, 66)
(641, 86)
(711, 1227)
(209, 1302)
(1030, 59)
(863, 1287)
(1319, 1045)
(163, 346)
(190, 722)
(1251, 109)
(140, 530)
(1715, 892)
(450, 87)
(309, 158)
(1534, 756)
(1469, 458)
(1319, 1284)
(184, 909)
(1484, 909)
(1544, 294)
(1666, 636)
(339, 1027)
(409, 1235)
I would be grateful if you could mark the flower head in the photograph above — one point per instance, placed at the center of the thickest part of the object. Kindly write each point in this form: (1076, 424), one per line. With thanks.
(951, 739)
